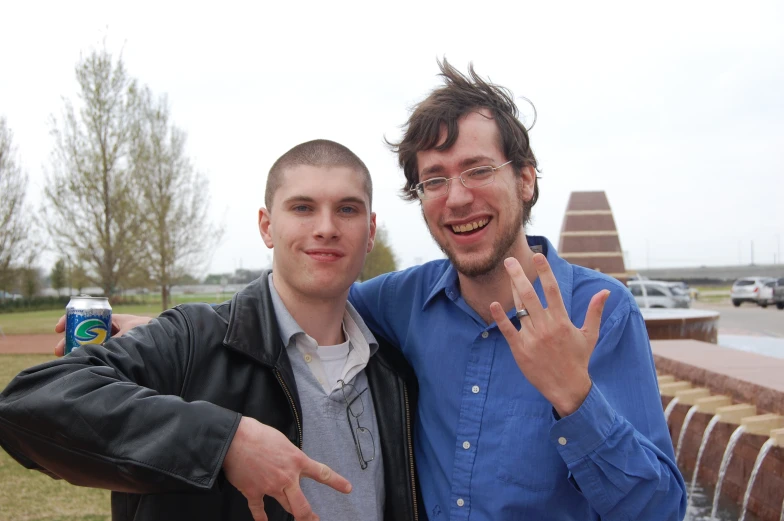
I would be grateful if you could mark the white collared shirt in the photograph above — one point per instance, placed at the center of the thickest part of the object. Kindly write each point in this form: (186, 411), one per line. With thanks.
(330, 364)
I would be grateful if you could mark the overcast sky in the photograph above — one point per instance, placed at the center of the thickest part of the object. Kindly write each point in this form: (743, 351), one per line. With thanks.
(674, 109)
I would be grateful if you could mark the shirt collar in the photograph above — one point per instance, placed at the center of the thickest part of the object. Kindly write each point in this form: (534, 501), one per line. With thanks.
(352, 323)
(449, 286)
(561, 269)
(446, 283)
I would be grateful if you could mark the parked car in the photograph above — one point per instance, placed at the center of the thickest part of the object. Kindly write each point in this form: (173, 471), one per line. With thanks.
(692, 292)
(766, 294)
(658, 294)
(747, 289)
(778, 293)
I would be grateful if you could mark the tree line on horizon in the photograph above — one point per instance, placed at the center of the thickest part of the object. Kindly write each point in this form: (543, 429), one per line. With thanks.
(123, 206)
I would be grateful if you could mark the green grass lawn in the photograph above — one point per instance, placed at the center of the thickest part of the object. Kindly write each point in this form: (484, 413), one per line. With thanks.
(29, 322)
(713, 293)
(715, 289)
(36, 322)
(28, 495)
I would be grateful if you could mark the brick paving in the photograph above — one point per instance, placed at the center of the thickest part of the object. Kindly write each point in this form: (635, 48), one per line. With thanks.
(29, 344)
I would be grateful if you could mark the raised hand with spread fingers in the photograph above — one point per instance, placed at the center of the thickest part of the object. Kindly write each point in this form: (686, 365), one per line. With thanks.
(551, 352)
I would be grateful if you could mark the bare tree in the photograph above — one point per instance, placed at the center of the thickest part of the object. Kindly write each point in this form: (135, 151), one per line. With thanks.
(90, 203)
(30, 280)
(59, 276)
(77, 277)
(174, 198)
(15, 224)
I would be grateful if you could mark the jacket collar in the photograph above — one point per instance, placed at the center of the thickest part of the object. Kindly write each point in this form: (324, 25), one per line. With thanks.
(253, 327)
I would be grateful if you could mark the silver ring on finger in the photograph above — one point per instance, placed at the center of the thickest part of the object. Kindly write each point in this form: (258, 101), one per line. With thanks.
(522, 313)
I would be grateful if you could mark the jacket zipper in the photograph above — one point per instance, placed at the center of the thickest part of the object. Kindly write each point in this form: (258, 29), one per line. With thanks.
(296, 416)
(410, 454)
(293, 407)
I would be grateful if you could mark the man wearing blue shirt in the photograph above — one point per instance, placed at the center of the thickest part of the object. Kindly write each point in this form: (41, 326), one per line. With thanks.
(538, 399)
(559, 420)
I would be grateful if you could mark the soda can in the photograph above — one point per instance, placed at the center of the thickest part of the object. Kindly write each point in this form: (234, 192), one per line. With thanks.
(88, 320)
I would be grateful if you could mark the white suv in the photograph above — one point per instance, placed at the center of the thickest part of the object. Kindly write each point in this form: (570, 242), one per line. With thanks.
(766, 294)
(658, 294)
(747, 289)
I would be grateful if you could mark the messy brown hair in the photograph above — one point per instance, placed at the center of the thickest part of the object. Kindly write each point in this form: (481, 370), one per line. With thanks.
(444, 107)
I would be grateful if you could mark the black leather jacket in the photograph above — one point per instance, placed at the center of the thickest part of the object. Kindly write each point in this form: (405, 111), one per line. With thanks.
(150, 415)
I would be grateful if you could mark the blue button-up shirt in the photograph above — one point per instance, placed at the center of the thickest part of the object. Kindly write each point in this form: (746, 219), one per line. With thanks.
(488, 445)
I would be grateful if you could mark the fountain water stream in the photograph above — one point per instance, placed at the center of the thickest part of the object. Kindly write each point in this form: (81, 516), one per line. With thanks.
(757, 465)
(668, 410)
(682, 434)
(782, 512)
(725, 463)
(703, 444)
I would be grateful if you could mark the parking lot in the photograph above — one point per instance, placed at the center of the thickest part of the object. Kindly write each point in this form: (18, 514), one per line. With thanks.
(748, 319)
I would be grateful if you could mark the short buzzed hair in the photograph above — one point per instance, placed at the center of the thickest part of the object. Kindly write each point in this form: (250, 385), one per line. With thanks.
(319, 153)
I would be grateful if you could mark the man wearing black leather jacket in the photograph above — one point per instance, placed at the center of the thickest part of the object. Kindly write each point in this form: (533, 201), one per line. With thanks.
(213, 413)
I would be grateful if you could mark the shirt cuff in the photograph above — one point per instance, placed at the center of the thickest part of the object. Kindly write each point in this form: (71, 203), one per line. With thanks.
(580, 433)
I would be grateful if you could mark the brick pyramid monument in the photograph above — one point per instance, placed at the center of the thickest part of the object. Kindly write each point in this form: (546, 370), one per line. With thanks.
(589, 237)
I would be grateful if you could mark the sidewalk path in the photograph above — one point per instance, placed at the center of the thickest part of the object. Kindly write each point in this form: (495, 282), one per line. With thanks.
(29, 344)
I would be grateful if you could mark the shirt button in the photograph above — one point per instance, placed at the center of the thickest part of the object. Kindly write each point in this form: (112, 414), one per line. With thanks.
(562, 440)
(475, 389)
(485, 334)
(460, 502)
(308, 358)
(466, 445)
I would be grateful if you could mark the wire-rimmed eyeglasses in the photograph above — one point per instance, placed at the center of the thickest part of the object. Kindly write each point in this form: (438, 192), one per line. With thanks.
(363, 438)
(471, 178)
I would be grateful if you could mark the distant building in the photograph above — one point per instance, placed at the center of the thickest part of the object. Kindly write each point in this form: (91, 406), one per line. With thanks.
(589, 237)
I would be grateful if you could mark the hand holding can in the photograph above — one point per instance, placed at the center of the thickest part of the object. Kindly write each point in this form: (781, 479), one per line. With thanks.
(88, 321)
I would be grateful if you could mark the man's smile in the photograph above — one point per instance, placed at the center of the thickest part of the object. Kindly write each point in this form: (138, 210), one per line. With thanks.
(470, 226)
(325, 254)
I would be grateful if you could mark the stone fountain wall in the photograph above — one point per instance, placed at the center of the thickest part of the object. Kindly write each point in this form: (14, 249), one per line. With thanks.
(768, 493)
(743, 388)
(676, 324)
